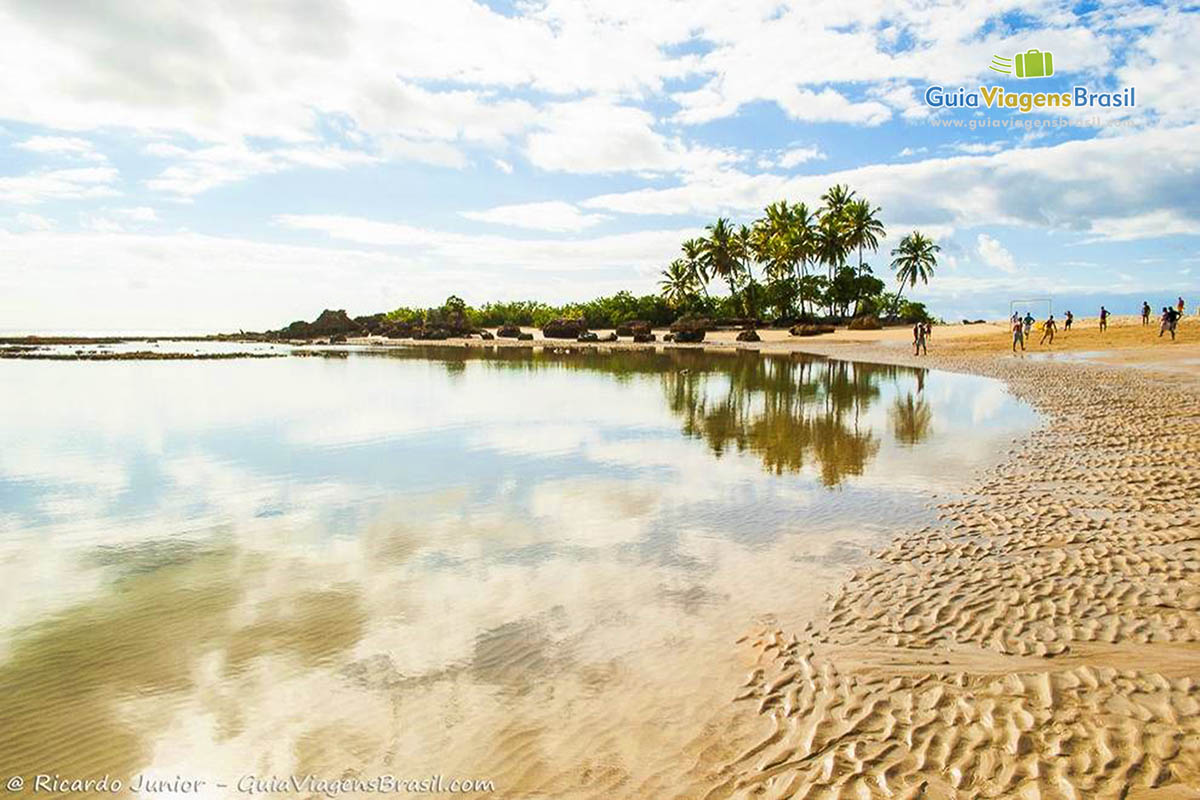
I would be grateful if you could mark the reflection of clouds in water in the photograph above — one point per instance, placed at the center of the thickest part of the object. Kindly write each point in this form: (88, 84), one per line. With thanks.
(456, 540)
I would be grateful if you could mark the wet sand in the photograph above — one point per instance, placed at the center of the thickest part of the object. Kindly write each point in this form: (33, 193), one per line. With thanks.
(1042, 640)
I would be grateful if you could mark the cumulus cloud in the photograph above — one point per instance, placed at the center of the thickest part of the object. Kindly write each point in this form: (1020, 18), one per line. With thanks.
(995, 255)
(549, 216)
(1105, 186)
(60, 184)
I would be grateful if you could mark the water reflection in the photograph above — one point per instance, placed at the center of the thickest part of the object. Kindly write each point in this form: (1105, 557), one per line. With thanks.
(516, 565)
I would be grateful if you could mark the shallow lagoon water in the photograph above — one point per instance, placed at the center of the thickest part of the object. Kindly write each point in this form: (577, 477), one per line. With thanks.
(527, 567)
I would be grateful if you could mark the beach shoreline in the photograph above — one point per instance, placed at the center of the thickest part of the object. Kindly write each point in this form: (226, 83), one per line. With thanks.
(1041, 640)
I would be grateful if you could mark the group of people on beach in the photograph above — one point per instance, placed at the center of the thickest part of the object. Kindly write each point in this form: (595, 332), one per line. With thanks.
(1022, 327)
(1168, 320)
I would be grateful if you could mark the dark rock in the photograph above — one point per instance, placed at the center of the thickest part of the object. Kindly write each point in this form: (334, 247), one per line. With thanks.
(431, 334)
(749, 335)
(328, 323)
(692, 323)
(867, 322)
(643, 337)
(509, 332)
(810, 330)
(632, 327)
(525, 337)
(486, 336)
(689, 336)
(668, 337)
(611, 337)
(563, 329)
(337, 338)
(973, 321)
(587, 336)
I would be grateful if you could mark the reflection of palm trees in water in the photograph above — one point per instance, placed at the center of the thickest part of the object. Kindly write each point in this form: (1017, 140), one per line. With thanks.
(912, 419)
(792, 411)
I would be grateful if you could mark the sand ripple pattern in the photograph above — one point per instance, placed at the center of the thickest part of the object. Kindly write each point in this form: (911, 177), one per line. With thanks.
(1042, 641)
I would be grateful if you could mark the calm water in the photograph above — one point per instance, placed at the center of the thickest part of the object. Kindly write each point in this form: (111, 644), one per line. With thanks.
(529, 568)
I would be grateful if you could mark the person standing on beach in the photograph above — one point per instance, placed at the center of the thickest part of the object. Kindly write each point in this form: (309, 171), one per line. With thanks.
(1179, 306)
(1067, 322)
(1029, 320)
(919, 339)
(1103, 318)
(1018, 332)
(1145, 313)
(1170, 318)
(1048, 329)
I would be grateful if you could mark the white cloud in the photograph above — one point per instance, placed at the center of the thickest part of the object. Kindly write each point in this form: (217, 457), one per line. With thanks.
(597, 136)
(61, 145)
(800, 155)
(549, 216)
(624, 251)
(60, 184)
(503, 166)
(207, 168)
(1106, 186)
(995, 255)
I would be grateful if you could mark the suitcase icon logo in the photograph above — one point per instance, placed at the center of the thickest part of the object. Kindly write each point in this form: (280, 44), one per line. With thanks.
(1033, 63)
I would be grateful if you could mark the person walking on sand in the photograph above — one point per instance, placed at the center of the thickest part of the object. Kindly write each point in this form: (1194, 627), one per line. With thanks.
(1179, 306)
(1048, 328)
(1170, 318)
(919, 339)
(1103, 318)
(1018, 332)
(1145, 313)
(1029, 320)
(1067, 322)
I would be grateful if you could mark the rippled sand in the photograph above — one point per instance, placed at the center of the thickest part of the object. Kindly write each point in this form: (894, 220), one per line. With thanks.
(1043, 641)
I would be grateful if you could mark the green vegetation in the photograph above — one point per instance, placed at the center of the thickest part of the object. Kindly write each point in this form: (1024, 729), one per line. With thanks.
(791, 264)
(773, 266)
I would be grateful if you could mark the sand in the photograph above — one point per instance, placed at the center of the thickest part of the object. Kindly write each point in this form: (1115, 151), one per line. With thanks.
(1043, 640)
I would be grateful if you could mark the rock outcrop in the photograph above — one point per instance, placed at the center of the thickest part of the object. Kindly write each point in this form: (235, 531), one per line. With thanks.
(564, 329)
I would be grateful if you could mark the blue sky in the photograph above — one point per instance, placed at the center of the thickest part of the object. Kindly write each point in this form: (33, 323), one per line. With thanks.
(171, 166)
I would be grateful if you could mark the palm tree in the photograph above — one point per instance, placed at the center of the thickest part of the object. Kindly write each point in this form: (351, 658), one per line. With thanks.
(836, 198)
(863, 228)
(913, 260)
(830, 243)
(678, 283)
(802, 243)
(693, 256)
(720, 253)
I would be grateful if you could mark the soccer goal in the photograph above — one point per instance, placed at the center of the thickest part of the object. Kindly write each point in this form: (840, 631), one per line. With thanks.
(1039, 307)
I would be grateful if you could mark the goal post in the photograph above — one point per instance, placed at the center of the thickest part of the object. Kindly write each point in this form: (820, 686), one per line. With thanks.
(1039, 307)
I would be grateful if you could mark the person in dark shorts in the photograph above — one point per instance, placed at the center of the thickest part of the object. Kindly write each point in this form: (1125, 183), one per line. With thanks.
(919, 339)
(1103, 318)
(1067, 322)
(1145, 313)
(1048, 328)
(1170, 319)
(1018, 332)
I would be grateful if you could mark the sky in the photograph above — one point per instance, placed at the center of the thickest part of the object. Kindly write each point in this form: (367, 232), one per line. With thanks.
(238, 164)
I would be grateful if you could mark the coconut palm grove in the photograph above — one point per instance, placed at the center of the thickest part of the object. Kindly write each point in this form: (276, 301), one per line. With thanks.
(796, 263)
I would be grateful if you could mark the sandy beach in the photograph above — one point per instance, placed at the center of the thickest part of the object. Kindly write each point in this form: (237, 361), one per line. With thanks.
(1041, 640)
